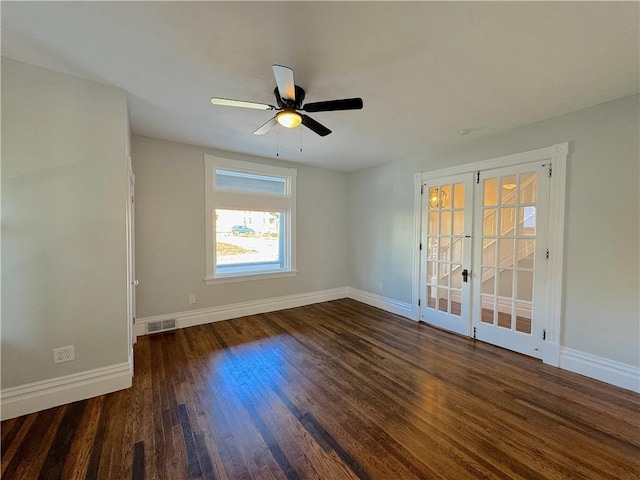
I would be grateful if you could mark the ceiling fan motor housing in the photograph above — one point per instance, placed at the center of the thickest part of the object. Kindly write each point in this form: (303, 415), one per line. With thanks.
(296, 104)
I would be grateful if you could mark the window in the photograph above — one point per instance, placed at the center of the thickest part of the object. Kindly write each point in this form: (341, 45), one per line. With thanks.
(250, 221)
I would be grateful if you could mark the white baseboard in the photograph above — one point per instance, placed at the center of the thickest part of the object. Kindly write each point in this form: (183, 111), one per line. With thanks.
(191, 318)
(608, 371)
(36, 396)
(389, 304)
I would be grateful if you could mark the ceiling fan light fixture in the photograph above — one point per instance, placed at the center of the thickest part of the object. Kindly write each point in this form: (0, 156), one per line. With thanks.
(289, 119)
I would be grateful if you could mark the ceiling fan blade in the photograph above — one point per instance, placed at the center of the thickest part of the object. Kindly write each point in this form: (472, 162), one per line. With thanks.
(311, 124)
(330, 105)
(266, 127)
(239, 103)
(284, 80)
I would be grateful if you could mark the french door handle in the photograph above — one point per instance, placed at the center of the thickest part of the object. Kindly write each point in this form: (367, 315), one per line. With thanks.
(465, 275)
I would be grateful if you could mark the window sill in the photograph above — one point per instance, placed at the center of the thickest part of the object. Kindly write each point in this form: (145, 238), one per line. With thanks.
(248, 278)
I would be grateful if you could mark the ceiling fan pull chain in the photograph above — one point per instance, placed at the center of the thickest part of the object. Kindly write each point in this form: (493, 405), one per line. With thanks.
(300, 140)
(278, 142)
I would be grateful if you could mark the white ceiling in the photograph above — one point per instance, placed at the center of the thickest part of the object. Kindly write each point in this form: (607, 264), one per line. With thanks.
(425, 70)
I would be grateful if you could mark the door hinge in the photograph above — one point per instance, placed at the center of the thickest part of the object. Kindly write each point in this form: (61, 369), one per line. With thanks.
(478, 177)
(544, 334)
(547, 255)
(420, 245)
(418, 302)
(550, 170)
(421, 189)
(134, 320)
(474, 333)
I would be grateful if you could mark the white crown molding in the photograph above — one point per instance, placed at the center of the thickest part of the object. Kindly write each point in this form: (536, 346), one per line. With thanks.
(608, 371)
(36, 396)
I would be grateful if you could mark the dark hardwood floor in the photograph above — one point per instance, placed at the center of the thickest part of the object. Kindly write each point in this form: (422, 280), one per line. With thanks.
(338, 390)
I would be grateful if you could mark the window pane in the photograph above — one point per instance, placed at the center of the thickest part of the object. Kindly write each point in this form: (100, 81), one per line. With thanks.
(490, 192)
(445, 223)
(505, 283)
(456, 250)
(431, 297)
(488, 309)
(489, 252)
(528, 188)
(508, 190)
(523, 318)
(507, 221)
(248, 240)
(445, 196)
(488, 280)
(458, 223)
(246, 182)
(526, 253)
(527, 224)
(506, 252)
(489, 221)
(458, 195)
(456, 276)
(525, 285)
(443, 299)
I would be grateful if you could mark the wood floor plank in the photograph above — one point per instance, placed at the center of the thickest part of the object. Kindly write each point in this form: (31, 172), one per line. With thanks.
(335, 391)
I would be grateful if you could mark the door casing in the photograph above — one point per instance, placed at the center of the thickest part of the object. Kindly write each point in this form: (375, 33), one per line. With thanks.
(555, 157)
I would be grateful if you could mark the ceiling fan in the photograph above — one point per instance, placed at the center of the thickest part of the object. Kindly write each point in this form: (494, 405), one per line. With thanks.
(289, 98)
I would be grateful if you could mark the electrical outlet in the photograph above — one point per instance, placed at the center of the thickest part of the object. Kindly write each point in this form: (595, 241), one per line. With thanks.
(64, 354)
(192, 298)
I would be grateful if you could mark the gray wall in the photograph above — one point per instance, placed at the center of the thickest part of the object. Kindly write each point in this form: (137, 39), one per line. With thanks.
(170, 231)
(63, 223)
(601, 283)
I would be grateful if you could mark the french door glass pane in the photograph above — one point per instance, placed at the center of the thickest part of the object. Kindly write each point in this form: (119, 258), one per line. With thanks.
(507, 221)
(508, 243)
(527, 222)
(508, 190)
(489, 223)
(443, 300)
(431, 297)
(525, 285)
(445, 196)
(528, 187)
(456, 276)
(488, 280)
(488, 310)
(490, 192)
(526, 253)
(489, 252)
(445, 223)
(458, 222)
(505, 283)
(506, 246)
(523, 318)
(458, 195)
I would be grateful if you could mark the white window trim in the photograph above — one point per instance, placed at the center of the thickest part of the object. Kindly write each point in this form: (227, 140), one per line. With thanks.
(241, 200)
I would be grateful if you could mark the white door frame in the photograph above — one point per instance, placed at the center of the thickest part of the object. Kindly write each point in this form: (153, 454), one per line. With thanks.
(556, 158)
(131, 266)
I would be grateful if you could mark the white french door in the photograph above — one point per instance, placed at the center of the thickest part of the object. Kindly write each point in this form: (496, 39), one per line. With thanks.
(509, 259)
(445, 255)
(483, 255)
